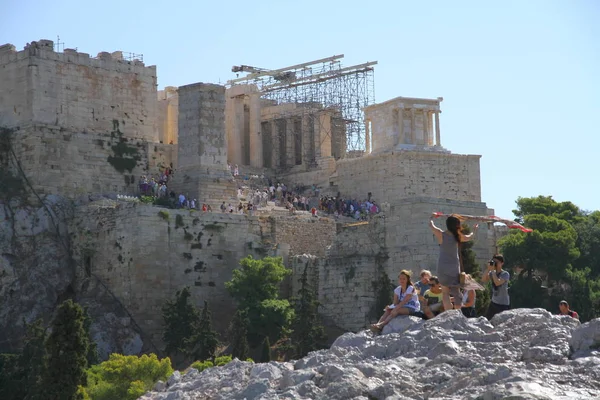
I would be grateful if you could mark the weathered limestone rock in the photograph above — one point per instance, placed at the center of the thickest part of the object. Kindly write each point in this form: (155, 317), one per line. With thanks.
(448, 357)
(35, 270)
(37, 273)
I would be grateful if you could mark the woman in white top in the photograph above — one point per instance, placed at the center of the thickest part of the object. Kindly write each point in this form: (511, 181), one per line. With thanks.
(406, 301)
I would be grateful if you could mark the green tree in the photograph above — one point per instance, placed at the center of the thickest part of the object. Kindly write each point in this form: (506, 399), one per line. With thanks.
(588, 243)
(181, 319)
(265, 355)
(21, 374)
(558, 260)
(33, 360)
(308, 333)
(126, 377)
(92, 355)
(204, 343)
(238, 331)
(11, 377)
(546, 205)
(255, 287)
(67, 348)
(549, 249)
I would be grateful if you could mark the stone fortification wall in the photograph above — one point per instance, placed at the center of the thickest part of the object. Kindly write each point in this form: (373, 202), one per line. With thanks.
(410, 241)
(167, 115)
(15, 104)
(399, 239)
(345, 278)
(202, 171)
(304, 234)
(144, 254)
(76, 92)
(73, 164)
(406, 174)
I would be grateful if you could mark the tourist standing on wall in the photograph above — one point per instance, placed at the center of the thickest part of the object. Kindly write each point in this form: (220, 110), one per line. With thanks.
(499, 278)
(449, 269)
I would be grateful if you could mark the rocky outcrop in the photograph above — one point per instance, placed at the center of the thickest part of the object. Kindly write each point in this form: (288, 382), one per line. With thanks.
(521, 354)
(37, 273)
(35, 269)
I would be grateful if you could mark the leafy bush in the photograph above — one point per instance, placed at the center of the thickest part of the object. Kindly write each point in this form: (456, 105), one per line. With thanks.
(255, 285)
(223, 360)
(126, 377)
(147, 199)
(164, 215)
(219, 362)
(202, 365)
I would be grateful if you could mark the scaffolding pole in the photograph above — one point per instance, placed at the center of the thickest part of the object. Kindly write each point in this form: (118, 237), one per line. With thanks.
(320, 86)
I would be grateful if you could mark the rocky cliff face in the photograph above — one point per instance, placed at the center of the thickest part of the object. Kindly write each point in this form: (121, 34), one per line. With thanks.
(35, 272)
(38, 272)
(521, 354)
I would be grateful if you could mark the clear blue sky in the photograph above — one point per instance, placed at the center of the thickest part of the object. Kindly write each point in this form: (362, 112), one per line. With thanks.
(520, 79)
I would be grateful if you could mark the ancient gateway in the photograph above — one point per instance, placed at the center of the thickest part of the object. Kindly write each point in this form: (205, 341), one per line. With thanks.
(86, 128)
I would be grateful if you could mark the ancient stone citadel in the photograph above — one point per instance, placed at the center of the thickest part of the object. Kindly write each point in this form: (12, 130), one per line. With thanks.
(86, 128)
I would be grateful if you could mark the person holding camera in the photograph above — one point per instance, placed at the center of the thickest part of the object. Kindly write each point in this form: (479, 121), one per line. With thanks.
(499, 278)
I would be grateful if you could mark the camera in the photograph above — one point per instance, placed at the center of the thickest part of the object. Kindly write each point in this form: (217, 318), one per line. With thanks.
(492, 263)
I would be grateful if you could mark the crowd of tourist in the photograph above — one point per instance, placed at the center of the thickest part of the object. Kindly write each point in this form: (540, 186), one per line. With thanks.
(425, 298)
(452, 288)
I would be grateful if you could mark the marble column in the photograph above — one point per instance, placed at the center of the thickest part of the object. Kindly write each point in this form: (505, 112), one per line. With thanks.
(401, 125)
(426, 132)
(430, 125)
(413, 134)
(367, 137)
(438, 141)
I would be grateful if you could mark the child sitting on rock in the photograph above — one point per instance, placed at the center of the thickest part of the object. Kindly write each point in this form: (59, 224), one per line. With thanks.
(433, 298)
(406, 301)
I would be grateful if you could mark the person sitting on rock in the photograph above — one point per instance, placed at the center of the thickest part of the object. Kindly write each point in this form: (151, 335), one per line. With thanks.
(433, 298)
(468, 301)
(563, 306)
(423, 285)
(406, 301)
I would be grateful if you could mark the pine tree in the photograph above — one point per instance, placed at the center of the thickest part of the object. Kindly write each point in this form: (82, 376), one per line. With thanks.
(92, 355)
(181, 318)
(265, 355)
(33, 360)
(238, 330)
(67, 348)
(203, 345)
(308, 332)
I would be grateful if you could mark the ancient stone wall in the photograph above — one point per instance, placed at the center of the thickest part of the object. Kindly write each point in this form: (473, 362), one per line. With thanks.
(398, 239)
(345, 278)
(76, 92)
(144, 254)
(411, 243)
(202, 171)
(72, 164)
(167, 115)
(15, 104)
(405, 174)
(305, 235)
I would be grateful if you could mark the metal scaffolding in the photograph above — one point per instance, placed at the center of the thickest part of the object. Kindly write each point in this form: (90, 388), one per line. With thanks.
(317, 85)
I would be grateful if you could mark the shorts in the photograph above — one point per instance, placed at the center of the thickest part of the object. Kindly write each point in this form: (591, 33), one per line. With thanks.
(437, 307)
